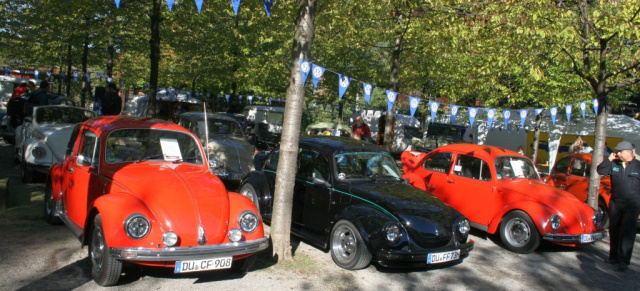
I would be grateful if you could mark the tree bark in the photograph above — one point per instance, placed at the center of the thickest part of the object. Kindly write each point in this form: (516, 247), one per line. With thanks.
(69, 69)
(395, 68)
(286, 171)
(86, 86)
(154, 56)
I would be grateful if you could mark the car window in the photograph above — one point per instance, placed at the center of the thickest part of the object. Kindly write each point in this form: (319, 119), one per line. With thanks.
(472, 167)
(72, 140)
(141, 144)
(66, 115)
(438, 162)
(366, 165)
(515, 167)
(579, 168)
(562, 166)
(312, 164)
(90, 149)
(272, 164)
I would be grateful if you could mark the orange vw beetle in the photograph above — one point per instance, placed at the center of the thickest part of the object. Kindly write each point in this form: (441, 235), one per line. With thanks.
(500, 190)
(140, 190)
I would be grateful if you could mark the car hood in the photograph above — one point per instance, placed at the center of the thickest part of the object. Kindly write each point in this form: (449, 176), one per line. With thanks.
(573, 212)
(235, 152)
(57, 137)
(427, 219)
(181, 197)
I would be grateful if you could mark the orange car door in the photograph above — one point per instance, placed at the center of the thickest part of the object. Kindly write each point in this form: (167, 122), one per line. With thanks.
(435, 170)
(80, 169)
(470, 189)
(578, 179)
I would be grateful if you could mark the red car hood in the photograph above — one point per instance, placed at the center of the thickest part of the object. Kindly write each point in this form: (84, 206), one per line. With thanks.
(181, 197)
(575, 214)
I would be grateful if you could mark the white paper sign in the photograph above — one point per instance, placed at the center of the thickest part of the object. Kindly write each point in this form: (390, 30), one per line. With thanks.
(170, 149)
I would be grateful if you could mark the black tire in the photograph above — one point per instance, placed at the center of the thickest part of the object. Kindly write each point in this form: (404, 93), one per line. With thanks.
(250, 192)
(25, 172)
(105, 269)
(50, 206)
(348, 250)
(243, 265)
(518, 233)
(602, 208)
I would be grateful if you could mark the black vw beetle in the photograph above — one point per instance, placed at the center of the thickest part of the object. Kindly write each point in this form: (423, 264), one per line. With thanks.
(349, 198)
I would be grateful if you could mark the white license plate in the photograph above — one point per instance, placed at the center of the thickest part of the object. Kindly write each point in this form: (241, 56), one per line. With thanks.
(203, 265)
(590, 237)
(443, 257)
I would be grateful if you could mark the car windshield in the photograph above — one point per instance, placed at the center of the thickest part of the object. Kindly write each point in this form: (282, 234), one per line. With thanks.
(142, 144)
(511, 167)
(66, 115)
(366, 165)
(220, 126)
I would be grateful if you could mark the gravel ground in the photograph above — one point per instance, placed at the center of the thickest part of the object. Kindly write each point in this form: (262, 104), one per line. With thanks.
(37, 256)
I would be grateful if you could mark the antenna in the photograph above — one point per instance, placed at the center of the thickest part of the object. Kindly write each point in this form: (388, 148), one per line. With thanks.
(206, 132)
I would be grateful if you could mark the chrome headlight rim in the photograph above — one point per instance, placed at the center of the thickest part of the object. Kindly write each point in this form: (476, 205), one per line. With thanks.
(392, 233)
(215, 162)
(170, 238)
(555, 221)
(597, 218)
(39, 152)
(463, 226)
(248, 221)
(137, 226)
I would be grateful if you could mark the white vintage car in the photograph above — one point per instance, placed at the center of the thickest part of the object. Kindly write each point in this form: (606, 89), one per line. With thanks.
(42, 139)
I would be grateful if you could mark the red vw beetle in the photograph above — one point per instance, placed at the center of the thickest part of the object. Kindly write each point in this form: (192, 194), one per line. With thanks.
(500, 190)
(140, 190)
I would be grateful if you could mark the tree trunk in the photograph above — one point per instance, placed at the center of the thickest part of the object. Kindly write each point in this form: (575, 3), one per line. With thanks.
(598, 150)
(86, 86)
(69, 69)
(536, 137)
(395, 67)
(154, 56)
(111, 51)
(286, 171)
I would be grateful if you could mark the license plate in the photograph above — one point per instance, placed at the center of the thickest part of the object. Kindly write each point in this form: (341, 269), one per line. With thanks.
(203, 265)
(590, 237)
(443, 257)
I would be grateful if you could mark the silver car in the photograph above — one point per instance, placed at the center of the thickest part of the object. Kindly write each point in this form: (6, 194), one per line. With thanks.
(230, 154)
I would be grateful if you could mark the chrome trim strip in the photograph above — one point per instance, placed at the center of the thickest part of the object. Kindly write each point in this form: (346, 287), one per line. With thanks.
(190, 253)
(478, 226)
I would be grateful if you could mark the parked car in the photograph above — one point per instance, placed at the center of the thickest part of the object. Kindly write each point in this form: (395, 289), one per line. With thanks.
(500, 191)
(41, 139)
(328, 128)
(264, 123)
(404, 129)
(140, 190)
(349, 199)
(230, 154)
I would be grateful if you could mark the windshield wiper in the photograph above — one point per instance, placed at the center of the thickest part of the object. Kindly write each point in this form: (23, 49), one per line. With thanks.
(154, 157)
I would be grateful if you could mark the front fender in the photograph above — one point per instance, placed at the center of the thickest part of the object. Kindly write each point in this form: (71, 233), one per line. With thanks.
(55, 178)
(259, 181)
(412, 160)
(538, 212)
(368, 220)
(238, 203)
(114, 208)
(28, 147)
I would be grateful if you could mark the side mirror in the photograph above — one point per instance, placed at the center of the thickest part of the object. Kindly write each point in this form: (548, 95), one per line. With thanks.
(320, 182)
(83, 161)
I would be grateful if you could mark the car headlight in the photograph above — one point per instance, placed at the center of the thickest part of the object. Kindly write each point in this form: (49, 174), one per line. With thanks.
(555, 221)
(215, 162)
(137, 226)
(170, 238)
(248, 221)
(39, 152)
(597, 218)
(463, 226)
(392, 233)
(235, 235)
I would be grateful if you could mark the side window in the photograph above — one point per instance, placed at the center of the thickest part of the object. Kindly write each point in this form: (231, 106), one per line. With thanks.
(578, 168)
(471, 167)
(72, 141)
(272, 164)
(439, 162)
(313, 165)
(562, 166)
(90, 149)
(305, 164)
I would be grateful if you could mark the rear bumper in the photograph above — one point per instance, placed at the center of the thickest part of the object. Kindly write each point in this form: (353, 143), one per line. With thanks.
(575, 238)
(405, 259)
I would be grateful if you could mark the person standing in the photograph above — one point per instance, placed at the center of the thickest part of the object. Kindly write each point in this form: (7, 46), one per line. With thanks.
(21, 89)
(362, 129)
(40, 97)
(112, 103)
(624, 205)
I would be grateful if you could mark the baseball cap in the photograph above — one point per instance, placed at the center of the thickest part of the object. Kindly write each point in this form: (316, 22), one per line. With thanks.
(624, 145)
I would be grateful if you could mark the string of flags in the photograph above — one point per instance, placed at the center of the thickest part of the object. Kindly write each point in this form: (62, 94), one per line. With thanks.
(318, 71)
(234, 3)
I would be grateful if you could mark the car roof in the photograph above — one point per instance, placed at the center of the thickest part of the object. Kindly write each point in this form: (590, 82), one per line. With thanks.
(107, 124)
(200, 115)
(332, 144)
(482, 151)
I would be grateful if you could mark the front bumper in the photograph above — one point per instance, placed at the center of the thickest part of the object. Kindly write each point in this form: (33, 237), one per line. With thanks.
(575, 238)
(407, 259)
(190, 253)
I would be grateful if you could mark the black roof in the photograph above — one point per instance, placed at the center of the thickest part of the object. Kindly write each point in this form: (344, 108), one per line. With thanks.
(332, 144)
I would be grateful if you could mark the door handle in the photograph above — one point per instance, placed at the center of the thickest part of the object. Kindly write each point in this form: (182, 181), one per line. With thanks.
(451, 181)
(70, 170)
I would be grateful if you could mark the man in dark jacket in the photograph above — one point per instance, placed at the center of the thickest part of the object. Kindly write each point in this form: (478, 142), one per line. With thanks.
(40, 97)
(624, 205)
(111, 103)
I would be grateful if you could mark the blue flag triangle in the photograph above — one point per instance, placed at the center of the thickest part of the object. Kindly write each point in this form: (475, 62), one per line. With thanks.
(236, 5)
(170, 4)
(267, 6)
(199, 5)
(117, 3)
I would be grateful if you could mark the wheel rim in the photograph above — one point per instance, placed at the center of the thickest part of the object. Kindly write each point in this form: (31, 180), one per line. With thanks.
(246, 191)
(97, 250)
(517, 232)
(344, 243)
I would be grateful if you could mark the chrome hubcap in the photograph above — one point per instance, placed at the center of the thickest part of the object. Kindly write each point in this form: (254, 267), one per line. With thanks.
(97, 250)
(518, 232)
(344, 243)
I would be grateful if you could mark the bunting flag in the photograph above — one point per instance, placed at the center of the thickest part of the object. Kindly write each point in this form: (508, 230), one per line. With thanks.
(473, 112)
(121, 83)
(144, 87)
(250, 98)
(267, 6)
(454, 112)
(269, 101)
(89, 77)
(6, 71)
(260, 99)
(240, 99)
(197, 95)
(583, 108)
(538, 110)
(523, 116)
(35, 73)
(199, 5)
(133, 85)
(227, 97)
(236, 5)
(368, 90)
(208, 95)
(109, 80)
(170, 4)
(75, 76)
(117, 3)
(507, 115)
(304, 71)
(433, 108)
(316, 72)
(595, 106)
(391, 98)
(554, 112)
(343, 84)
(314, 105)
(413, 104)
(491, 114)
(568, 111)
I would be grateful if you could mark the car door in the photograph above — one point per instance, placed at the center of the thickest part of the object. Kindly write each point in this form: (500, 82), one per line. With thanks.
(435, 171)
(80, 177)
(577, 181)
(317, 199)
(469, 188)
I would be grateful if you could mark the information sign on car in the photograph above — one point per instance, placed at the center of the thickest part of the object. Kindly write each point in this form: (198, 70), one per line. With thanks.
(443, 257)
(203, 265)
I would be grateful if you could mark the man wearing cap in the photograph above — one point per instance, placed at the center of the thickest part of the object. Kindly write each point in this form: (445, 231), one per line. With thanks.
(624, 205)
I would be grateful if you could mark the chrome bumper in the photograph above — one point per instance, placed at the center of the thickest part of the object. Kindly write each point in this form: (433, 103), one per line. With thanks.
(190, 253)
(574, 238)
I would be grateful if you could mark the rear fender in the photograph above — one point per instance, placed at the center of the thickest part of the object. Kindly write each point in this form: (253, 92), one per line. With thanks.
(265, 198)
(412, 160)
(55, 178)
